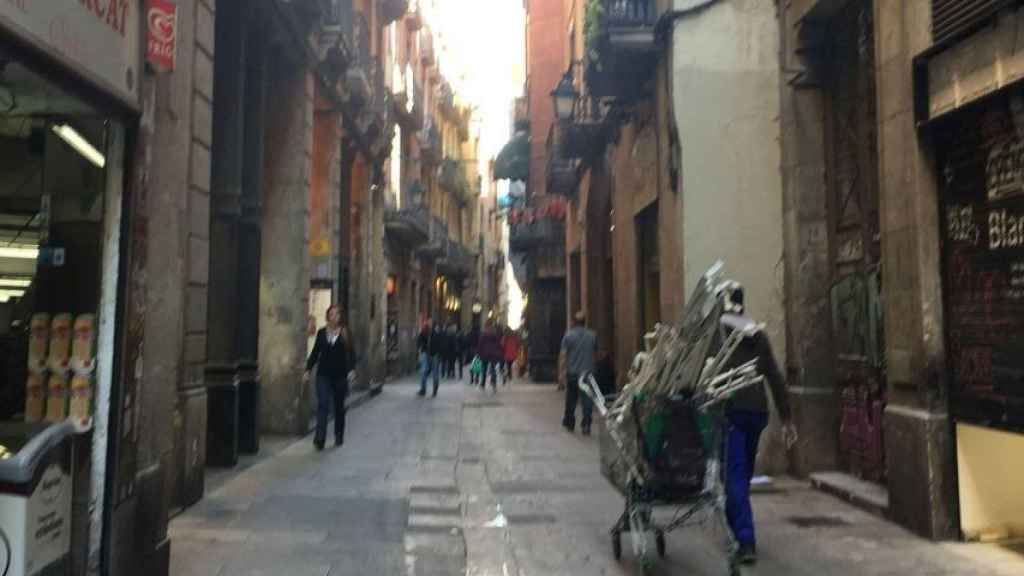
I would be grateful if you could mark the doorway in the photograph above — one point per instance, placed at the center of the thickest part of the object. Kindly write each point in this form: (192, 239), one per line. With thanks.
(649, 272)
(855, 240)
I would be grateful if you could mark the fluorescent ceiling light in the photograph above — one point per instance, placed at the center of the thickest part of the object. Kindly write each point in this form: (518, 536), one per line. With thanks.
(22, 252)
(14, 283)
(6, 295)
(80, 144)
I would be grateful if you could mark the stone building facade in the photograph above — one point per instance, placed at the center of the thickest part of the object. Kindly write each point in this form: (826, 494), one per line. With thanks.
(886, 276)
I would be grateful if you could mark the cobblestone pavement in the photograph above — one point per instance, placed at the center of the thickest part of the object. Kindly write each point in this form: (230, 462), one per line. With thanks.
(487, 484)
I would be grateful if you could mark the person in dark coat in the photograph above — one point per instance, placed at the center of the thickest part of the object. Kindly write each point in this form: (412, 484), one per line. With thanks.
(451, 350)
(747, 416)
(490, 353)
(430, 344)
(334, 358)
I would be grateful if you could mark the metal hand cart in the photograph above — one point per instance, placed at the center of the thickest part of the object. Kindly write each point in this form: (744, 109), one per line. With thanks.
(663, 442)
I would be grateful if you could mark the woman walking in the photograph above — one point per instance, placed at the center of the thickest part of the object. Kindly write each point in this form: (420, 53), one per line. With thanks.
(333, 356)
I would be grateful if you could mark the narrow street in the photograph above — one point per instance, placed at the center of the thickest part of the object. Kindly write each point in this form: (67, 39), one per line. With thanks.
(477, 484)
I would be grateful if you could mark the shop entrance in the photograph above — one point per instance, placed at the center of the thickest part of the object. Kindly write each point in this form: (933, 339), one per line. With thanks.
(61, 178)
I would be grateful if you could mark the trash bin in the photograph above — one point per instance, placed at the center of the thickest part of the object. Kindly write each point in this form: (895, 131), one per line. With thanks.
(221, 417)
(35, 498)
(248, 409)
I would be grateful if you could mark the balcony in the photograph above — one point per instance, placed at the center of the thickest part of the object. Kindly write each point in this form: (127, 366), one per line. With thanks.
(622, 48)
(437, 247)
(457, 260)
(630, 24)
(452, 177)
(408, 226)
(430, 143)
(524, 236)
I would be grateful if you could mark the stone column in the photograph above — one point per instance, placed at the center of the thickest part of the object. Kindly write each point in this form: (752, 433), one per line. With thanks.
(251, 201)
(809, 359)
(284, 259)
(919, 448)
(228, 168)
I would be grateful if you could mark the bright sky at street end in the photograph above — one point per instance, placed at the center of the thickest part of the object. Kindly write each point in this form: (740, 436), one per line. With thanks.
(482, 52)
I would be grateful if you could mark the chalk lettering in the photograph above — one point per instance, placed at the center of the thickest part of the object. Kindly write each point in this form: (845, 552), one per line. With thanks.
(1004, 230)
(962, 227)
(1004, 171)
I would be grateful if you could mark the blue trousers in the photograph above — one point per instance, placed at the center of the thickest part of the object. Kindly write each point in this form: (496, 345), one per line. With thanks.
(430, 366)
(741, 439)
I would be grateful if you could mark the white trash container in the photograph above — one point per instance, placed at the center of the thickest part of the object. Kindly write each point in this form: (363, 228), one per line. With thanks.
(35, 498)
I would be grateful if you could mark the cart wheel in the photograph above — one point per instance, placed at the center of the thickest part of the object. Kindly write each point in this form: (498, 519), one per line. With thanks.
(659, 539)
(617, 545)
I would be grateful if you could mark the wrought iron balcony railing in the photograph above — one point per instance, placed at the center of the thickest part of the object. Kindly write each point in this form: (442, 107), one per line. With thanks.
(630, 13)
(540, 232)
(410, 225)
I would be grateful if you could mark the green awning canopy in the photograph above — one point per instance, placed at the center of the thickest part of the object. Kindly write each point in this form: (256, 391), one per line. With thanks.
(513, 163)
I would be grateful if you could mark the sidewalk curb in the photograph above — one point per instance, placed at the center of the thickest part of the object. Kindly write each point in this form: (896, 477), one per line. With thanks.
(357, 399)
(822, 483)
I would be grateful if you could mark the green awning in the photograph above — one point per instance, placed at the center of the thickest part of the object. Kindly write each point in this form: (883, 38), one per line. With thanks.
(513, 162)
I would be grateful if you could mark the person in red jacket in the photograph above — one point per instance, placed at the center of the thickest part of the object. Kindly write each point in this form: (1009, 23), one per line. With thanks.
(491, 354)
(510, 347)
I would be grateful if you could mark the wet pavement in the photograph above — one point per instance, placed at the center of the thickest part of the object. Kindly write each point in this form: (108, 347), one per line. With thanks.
(487, 484)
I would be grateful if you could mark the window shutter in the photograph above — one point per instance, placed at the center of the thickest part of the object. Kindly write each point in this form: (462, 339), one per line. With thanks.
(952, 18)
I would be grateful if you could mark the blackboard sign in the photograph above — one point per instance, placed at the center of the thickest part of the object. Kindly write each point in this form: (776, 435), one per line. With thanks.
(980, 159)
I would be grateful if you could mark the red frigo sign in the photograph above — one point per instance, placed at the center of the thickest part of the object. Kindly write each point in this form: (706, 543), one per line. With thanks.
(161, 33)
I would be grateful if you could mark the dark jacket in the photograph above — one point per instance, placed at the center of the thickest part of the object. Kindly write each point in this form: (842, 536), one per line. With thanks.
(489, 348)
(451, 344)
(753, 399)
(333, 361)
(431, 342)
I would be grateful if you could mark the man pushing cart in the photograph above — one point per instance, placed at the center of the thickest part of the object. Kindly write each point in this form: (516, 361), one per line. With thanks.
(697, 401)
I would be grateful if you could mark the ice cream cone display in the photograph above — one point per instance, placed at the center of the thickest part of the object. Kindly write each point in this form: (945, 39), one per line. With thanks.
(60, 343)
(38, 342)
(35, 397)
(80, 410)
(83, 346)
(57, 398)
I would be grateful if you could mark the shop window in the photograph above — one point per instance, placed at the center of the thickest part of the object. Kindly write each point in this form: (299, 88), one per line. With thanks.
(54, 170)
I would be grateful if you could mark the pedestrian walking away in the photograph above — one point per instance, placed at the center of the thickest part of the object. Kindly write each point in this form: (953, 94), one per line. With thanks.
(460, 352)
(490, 353)
(576, 360)
(451, 348)
(747, 416)
(430, 344)
(334, 359)
(510, 349)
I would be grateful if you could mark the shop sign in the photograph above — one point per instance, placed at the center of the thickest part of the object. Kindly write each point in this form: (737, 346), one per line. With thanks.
(99, 38)
(982, 182)
(161, 34)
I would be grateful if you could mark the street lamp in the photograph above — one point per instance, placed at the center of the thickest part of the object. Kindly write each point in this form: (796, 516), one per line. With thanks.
(477, 308)
(564, 97)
